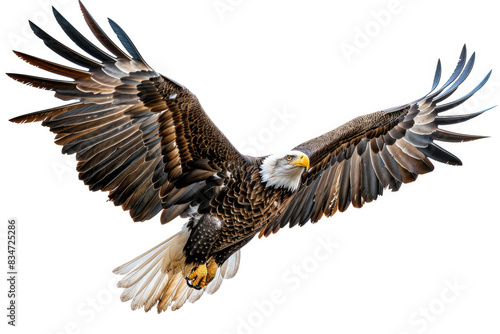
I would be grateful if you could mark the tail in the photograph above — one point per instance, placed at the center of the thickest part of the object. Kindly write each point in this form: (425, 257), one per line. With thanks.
(157, 276)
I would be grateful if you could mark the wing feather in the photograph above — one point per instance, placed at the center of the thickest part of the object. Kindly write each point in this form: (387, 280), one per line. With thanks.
(354, 163)
(136, 134)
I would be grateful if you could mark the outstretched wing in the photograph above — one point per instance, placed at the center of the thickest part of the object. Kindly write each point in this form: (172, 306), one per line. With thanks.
(137, 134)
(354, 163)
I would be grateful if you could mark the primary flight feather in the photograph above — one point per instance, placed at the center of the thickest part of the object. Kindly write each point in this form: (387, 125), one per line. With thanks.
(147, 141)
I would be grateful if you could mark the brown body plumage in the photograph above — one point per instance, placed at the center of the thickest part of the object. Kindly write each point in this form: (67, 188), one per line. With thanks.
(147, 141)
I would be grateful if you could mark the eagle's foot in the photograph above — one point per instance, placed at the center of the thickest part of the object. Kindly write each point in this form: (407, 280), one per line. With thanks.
(211, 271)
(198, 278)
(202, 275)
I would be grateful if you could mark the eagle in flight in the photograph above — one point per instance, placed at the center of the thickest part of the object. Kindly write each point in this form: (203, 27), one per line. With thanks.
(146, 140)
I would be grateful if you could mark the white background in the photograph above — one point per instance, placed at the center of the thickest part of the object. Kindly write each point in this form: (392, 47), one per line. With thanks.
(395, 258)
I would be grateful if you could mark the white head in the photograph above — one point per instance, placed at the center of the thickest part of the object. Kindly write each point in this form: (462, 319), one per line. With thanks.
(284, 170)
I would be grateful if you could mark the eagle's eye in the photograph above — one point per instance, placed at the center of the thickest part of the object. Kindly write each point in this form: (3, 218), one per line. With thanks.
(288, 158)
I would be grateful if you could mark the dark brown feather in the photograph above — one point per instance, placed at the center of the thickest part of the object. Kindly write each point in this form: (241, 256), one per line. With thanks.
(135, 132)
(377, 151)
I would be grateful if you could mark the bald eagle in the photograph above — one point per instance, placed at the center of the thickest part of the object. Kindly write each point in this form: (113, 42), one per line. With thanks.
(146, 140)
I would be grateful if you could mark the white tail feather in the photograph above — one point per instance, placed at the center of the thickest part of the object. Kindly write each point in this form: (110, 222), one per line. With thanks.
(230, 267)
(157, 276)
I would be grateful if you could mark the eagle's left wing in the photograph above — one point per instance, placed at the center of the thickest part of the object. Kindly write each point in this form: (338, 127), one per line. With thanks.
(357, 161)
(136, 134)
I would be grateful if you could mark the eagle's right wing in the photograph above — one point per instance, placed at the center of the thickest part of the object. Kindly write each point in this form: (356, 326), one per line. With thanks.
(137, 134)
(354, 163)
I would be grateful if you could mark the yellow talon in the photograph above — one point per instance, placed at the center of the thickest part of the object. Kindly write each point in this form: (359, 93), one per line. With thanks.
(211, 271)
(202, 275)
(198, 277)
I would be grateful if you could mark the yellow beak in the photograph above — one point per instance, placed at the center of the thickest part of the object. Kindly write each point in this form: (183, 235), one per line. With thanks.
(301, 161)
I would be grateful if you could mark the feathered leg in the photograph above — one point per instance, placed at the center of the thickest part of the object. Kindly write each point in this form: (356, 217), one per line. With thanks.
(204, 232)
